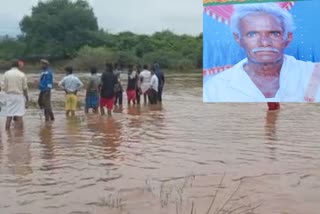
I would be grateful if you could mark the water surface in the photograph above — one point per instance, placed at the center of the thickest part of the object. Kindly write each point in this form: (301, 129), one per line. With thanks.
(169, 158)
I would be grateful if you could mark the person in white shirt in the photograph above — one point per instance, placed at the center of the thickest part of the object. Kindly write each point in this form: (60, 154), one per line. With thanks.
(16, 89)
(71, 84)
(264, 30)
(154, 83)
(145, 80)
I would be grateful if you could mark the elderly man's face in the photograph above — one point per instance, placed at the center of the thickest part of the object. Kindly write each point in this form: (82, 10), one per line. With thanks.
(262, 37)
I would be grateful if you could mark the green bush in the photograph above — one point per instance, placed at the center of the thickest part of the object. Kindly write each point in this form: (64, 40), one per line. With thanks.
(88, 57)
(124, 58)
(11, 48)
(167, 59)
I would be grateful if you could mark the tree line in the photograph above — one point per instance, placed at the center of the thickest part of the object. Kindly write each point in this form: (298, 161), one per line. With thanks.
(68, 30)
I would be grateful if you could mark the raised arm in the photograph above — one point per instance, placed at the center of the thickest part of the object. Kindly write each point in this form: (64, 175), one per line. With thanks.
(61, 84)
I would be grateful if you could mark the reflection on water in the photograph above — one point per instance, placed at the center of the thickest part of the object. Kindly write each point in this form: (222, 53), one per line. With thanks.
(45, 137)
(167, 158)
(271, 132)
(108, 136)
(18, 153)
(270, 126)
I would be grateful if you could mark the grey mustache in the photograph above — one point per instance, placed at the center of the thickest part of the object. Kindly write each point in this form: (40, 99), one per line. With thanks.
(265, 49)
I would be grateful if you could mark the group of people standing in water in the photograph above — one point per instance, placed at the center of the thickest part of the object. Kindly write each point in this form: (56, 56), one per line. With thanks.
(102, 92)
(140, 82)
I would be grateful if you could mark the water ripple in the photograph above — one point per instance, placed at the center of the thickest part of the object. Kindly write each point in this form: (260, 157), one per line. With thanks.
(149, 158)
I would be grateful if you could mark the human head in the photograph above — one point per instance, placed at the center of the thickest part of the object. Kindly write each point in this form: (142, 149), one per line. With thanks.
(20, 65)
(44, 63)
(130, 68)
(69, 70)
(242, 10)
(116, 66)
(15, 64)
(138, 67)
(109, 67)
(93, 70)
(264, 30)
(145, 67)
(153, 70)
(156, 66)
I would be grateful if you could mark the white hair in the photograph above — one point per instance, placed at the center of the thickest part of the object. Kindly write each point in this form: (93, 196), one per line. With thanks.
(243, 10)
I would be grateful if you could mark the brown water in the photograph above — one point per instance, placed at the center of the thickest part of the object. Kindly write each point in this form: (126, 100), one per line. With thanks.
(164, 159)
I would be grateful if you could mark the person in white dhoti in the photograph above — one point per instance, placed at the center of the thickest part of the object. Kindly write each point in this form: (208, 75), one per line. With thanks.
(264, 30)
(145, 82)
(16, 91)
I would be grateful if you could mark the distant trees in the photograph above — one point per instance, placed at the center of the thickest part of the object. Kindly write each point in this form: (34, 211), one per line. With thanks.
(59, 27)
(65, 29)
(11, 48)
(169, 50)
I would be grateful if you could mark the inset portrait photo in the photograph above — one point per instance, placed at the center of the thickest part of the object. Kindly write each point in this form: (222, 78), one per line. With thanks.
(261, 51)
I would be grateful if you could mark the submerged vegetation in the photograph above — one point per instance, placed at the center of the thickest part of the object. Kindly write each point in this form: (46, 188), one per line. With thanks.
(177, 196)
(68, 30)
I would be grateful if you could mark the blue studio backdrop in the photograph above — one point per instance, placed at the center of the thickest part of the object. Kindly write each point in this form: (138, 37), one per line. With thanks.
(220, 49)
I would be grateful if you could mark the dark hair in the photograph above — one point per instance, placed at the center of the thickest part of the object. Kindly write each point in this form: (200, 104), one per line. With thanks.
(93, 70)
(15, 63)
(109, 67)
(130, 68)
(156, 65)
(153, 68)
(69, 69)
(145, 66)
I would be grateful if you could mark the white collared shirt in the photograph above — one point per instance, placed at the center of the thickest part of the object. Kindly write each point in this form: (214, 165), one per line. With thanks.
(154, 82)
(70, 83)
(234, 84)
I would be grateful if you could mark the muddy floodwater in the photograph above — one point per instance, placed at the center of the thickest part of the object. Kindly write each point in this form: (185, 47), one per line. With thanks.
(179, 157)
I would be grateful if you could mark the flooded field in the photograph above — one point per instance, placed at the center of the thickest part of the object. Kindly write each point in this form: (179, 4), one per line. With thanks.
(181, 157)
